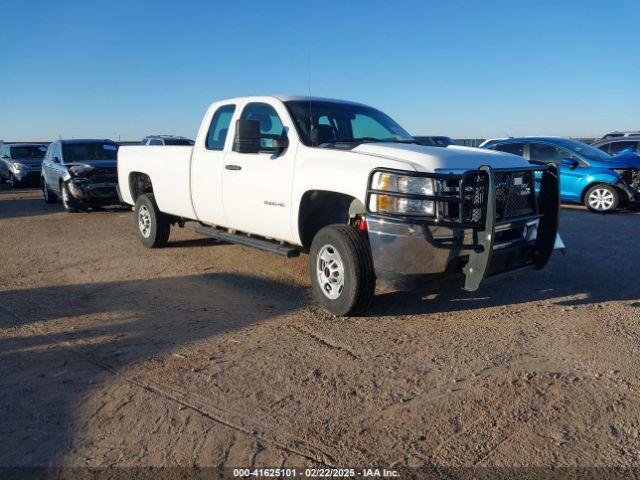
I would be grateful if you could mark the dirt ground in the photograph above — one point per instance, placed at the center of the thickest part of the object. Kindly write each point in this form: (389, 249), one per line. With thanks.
(213, 355)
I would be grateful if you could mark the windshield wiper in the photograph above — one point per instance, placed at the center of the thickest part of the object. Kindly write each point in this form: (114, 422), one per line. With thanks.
(406, 141)
(353, 140)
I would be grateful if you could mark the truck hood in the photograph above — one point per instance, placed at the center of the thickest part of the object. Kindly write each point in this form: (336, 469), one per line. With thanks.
(624, 160)
(97, 163)
(430, 159)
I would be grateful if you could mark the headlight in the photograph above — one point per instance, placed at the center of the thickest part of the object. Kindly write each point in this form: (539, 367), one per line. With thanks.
(399, 204)
(80, 169)
(17, 166)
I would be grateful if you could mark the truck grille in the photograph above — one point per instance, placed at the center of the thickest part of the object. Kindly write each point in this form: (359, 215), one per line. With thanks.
(104, 175)
(515, 194)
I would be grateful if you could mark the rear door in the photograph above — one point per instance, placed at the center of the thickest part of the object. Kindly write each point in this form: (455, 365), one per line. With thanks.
(207, 164)
(257, 186)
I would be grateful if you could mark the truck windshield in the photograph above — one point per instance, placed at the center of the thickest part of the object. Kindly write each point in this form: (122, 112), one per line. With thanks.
(89, 151)
(28, 151)
(329, 124)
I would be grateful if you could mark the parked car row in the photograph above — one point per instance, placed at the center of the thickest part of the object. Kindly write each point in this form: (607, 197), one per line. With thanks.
(82, 174)
(601, 181)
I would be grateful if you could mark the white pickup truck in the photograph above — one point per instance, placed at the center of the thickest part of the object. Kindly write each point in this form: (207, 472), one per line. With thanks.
(345, 183)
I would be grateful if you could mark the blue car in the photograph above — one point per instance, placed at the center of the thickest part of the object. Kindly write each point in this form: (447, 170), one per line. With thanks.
(600, 181)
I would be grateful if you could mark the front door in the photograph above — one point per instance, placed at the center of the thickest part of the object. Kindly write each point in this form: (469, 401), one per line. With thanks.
(257, 186)
(569, 177)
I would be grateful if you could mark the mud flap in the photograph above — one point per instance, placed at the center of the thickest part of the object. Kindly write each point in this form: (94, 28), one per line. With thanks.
(476, 268)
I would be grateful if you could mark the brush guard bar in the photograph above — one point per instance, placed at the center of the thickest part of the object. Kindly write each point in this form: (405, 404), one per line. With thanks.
(481, 200)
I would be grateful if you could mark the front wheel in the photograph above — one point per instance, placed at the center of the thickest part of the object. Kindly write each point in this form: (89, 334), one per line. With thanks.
(341, 270)
(602, 198)
(153, 226)
(68, 202)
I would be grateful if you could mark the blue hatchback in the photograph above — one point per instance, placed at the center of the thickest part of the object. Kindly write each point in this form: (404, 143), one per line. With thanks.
(588, 175)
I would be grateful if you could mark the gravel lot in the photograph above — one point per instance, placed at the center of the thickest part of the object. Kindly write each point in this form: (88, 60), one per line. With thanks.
(213, 355)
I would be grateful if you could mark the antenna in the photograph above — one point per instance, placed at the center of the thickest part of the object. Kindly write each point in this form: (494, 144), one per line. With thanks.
(309, 87)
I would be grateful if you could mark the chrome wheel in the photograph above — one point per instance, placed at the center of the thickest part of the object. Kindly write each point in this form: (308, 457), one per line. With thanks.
(601, 199)
(330, 272)
(144, 221)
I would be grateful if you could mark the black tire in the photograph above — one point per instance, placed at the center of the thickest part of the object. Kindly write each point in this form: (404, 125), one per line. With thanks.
(359, 282)
(47, 194)
(602, 198)
(68, 202)
(2, 180)
(158, 224)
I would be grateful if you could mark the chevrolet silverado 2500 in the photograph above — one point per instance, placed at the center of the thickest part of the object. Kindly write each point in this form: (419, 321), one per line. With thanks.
(345, 183)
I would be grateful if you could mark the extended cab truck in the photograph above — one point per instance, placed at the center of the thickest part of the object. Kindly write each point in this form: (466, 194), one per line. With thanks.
(345, 183)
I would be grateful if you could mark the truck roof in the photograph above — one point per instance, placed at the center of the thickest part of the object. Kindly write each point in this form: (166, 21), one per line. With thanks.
(287, 98)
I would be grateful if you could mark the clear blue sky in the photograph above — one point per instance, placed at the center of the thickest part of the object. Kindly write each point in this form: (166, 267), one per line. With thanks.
(460, 68)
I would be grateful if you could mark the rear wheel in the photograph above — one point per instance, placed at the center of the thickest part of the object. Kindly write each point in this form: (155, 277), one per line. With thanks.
(153, 226)
(341, 270)
(49, 196)
(602, 198)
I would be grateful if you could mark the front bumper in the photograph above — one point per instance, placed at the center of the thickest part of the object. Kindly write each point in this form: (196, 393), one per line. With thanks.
(492, 245)
(98, 194)
(31, 176)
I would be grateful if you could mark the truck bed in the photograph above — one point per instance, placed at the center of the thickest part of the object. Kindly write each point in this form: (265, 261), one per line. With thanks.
(167, 167)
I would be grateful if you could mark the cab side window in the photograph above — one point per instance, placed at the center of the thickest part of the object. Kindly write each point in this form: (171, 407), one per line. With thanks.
(219, 127)
(270, 123)
(541, 152)
(514, 148)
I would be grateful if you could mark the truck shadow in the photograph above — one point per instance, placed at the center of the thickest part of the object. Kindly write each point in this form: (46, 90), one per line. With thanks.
(48, 370)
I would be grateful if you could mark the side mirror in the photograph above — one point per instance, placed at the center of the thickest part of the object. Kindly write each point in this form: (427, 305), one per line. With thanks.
(247, 138)
(572, 163)
(56, 160)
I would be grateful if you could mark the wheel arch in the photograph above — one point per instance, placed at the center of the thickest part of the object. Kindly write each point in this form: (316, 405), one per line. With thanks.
(139, 183)
(593, 183)
(319, 208)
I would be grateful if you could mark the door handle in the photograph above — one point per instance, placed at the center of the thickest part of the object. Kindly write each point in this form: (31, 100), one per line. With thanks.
(233, 167)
